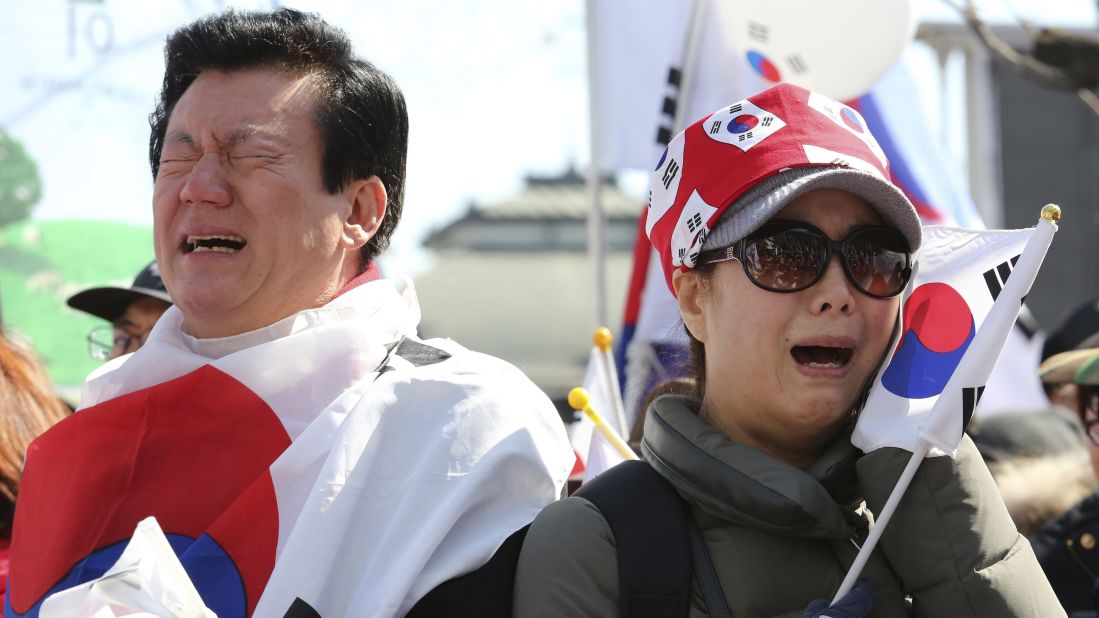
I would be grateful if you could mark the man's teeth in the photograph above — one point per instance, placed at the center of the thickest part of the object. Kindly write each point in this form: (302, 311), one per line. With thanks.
(201, 249)
(829, 365)
(229, 243)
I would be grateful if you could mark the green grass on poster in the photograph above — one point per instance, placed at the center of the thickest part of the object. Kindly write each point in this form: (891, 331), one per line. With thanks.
(44, 262)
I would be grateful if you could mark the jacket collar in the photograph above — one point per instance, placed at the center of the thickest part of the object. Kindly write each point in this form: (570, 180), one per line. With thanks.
(737, 483)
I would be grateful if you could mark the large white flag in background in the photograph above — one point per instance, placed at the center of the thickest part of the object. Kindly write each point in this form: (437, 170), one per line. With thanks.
(646, 56)
(639, 53)
(956, 314)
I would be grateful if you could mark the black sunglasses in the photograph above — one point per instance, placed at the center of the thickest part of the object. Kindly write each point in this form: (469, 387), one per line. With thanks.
(790, 256)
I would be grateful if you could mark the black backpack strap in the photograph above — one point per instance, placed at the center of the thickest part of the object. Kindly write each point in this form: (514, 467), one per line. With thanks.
(707, 576)
(649, 521)
(483, 593)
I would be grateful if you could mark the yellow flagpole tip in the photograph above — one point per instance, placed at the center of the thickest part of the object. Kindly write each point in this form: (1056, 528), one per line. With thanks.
(1051, 212)
(579, 398)
(602, 338)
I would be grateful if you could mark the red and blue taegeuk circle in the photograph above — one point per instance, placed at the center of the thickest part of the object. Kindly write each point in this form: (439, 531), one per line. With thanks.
(742, 123)
(851, 119)
(763, 65)
(937, 330)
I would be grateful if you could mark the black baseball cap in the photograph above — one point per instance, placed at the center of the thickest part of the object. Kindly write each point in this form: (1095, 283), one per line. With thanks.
(110, 302)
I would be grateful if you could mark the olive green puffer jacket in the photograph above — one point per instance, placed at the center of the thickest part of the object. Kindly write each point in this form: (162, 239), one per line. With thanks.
(781, 537)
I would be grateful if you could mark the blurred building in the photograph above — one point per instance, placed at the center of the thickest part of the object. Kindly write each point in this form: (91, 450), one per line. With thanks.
(1028, 145)
(513, 279)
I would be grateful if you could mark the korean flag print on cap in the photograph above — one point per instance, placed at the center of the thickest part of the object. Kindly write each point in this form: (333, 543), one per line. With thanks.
(742, 124)
(716, 160)
(846, 117)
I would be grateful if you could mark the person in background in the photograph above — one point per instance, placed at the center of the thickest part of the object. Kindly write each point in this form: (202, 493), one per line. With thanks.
(28, 407)
(1068, 546)
(131, 311)
(1039, 460)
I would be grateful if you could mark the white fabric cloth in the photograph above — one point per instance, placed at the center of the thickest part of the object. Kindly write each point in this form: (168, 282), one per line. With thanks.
(392, 484)
(146, 581)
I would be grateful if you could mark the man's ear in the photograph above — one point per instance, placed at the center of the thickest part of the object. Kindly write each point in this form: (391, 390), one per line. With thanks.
(690, 292)
(367, 198)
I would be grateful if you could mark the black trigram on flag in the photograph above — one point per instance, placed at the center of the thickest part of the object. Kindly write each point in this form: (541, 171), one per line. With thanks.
(736, 109)
(670, 172)
(996, 278)
(797, 64)
(970, 398)
(715, 127)
(757, 31)
(668, 108)
(694, 223)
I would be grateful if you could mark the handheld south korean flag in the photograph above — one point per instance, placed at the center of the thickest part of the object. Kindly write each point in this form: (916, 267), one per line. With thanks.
(957, 312)
(955, 316)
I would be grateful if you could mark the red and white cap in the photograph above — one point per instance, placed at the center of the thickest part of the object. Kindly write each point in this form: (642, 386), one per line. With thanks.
(734, 169)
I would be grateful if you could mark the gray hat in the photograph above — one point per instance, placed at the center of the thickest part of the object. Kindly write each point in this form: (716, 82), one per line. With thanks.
(756, 206)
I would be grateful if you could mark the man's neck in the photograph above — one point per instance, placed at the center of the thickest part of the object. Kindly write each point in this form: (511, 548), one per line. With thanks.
(371, 273)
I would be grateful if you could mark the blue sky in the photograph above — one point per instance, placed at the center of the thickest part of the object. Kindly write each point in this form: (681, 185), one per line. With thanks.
(496, 89)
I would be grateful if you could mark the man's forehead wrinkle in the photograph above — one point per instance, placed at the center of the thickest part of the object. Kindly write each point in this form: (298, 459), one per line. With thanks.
(233, 136)
(181, 137)
(238, 135)
(264, 134)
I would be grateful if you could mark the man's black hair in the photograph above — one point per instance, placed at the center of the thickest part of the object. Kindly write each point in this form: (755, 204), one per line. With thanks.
(360, 111)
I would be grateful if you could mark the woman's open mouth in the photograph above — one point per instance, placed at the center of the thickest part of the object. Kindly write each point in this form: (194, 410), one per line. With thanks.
(822, 357)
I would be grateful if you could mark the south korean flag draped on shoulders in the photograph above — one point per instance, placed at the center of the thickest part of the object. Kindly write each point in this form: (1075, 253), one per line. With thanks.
(332, 463)
(956, 314)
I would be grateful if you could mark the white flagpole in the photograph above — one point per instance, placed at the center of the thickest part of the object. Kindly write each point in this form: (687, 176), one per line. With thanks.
(690, 58)
(580, 400)
(597, 218)
(987, 343)
(603, 340)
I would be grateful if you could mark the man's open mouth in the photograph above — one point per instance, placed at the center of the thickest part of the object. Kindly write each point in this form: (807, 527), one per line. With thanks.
(216, 244)
(821, 356)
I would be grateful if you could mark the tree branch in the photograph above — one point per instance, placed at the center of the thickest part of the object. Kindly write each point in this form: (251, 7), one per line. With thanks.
(1023, 64)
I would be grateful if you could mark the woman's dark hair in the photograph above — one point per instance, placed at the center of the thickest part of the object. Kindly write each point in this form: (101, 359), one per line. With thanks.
(28, 408)
(675, 386)
(360, 111)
